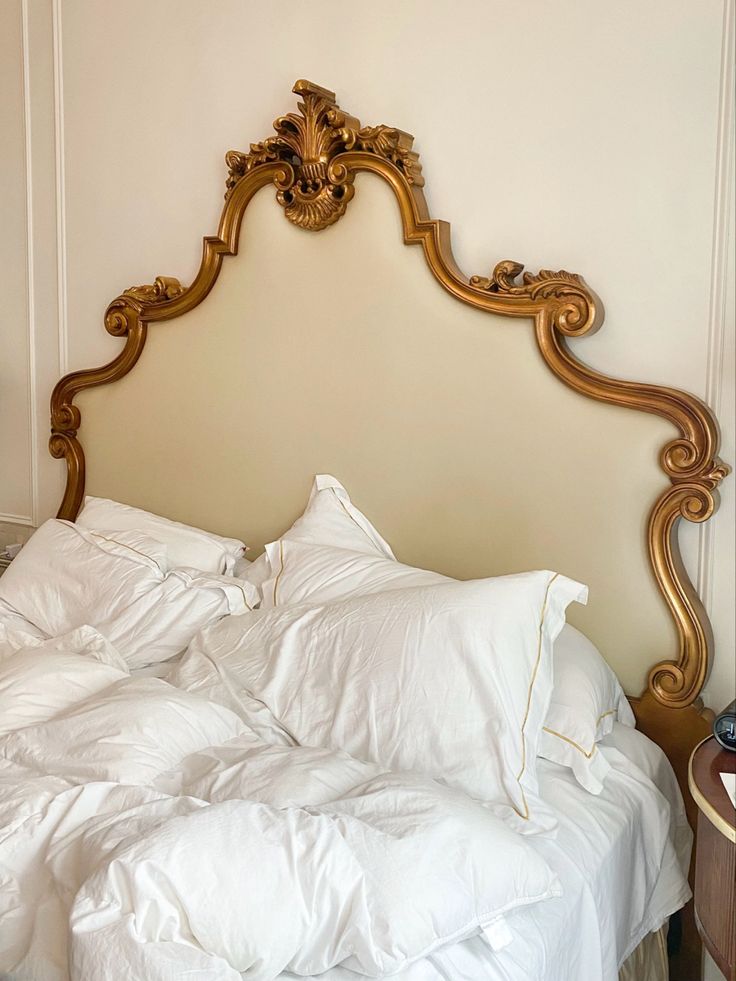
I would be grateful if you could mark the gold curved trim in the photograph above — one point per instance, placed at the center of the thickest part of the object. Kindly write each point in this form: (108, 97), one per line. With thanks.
(704, 806)
(312, 163)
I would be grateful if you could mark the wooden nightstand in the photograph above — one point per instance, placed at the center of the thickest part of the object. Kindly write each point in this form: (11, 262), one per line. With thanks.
(4, 563)
(715, 855)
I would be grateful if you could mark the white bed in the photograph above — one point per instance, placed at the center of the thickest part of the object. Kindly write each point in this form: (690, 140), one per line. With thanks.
(614, 893)
(98, 758)
(620, 857)
(358, 767)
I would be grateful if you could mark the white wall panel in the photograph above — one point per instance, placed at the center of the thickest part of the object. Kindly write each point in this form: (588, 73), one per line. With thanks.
(15, 354)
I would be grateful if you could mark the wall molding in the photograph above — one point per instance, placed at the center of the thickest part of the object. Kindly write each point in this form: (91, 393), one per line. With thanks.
(61, 239)
(42, 126)
(32, 519)
(715, 364)
(16, 519)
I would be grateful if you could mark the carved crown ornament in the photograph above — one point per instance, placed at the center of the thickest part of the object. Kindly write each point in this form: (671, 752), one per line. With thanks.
(312, 160)
(315, 190)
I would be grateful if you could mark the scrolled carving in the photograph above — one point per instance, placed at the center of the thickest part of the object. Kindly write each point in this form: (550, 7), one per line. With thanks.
(125, 309)
(573, 308)
(395, 145)
(314, 192)
(162, 289)
(119, 318)
(687, 459)
(65, 446)
(66, 418)
(678, 683)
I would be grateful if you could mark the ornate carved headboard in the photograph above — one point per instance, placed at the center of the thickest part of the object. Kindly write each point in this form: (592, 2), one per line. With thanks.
(338, 352)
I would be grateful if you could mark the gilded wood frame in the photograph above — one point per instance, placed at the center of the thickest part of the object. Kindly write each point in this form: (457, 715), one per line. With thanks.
(312, 161)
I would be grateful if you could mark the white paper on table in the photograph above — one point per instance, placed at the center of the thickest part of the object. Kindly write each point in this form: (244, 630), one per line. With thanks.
(729, 782)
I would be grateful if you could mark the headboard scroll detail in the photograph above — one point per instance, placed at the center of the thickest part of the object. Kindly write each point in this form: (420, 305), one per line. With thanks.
(312, 162)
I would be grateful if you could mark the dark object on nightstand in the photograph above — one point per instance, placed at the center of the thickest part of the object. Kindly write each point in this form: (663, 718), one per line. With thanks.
(715, 854)
(724, 727)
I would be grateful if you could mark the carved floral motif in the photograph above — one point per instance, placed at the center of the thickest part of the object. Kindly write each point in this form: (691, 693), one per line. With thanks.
(315, 190)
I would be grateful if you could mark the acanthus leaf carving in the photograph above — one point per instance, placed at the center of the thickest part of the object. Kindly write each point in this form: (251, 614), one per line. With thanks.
(573, 314)
(162, 289)
(125, 309)
(314, 192)
(545, 283)
(394, 145)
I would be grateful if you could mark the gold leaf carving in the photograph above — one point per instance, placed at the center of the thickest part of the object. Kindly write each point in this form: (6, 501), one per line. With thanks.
(124, 310)
(545, 283)
(394, 145)
(312, 189)
(162, 289)
(572, 315)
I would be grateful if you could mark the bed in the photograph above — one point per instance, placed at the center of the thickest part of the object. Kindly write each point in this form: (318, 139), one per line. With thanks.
(345, 356)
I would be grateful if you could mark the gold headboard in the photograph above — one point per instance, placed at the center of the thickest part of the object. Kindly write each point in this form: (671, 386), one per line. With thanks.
(426, 368)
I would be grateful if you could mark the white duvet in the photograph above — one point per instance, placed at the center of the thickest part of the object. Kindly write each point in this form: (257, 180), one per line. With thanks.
(148, 833)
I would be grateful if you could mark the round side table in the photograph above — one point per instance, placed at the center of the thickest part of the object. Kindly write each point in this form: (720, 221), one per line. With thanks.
(715, 853)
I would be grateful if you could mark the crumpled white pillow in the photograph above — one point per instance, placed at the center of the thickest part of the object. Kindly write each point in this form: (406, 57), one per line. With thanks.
(451, 680)
(66, 576)
(43, 679)
(586, 695)
(186, 545)
(587, 699)
(330, 518)
(162, 622)
(302, 572)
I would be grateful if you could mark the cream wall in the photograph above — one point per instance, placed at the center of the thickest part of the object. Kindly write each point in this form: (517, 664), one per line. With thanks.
(587, 135)
(15, 416)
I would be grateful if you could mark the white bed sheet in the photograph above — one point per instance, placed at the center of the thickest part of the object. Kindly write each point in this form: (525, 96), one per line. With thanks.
(618, 886)
(622, 878)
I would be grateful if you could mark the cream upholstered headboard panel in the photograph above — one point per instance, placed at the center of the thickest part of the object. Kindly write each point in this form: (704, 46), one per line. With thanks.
(345, 352)
(339, 353)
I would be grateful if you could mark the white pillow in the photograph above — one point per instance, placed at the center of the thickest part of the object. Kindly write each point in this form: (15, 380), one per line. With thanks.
(586, 700)
(321, 573)
(586, 695)
(66, 576)
(187, 546)
(129, 733)
(452, 680)
(41, 680)
(330, 518)
(162, 622)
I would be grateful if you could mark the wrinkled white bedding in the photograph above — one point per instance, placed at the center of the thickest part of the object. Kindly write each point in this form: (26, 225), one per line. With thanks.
(617, 883)
(188, 840)
(174, 841)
